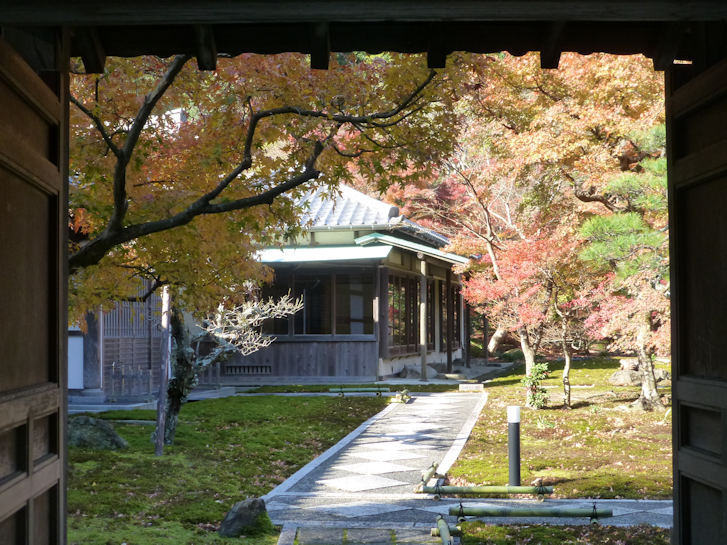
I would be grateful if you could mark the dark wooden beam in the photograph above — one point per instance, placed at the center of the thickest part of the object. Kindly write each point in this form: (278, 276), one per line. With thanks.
(206, 47)
(550, 53)
(320, 46)
(189, 12)
(90, 48)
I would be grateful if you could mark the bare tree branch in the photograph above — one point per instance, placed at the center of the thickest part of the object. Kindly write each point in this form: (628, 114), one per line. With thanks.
(98, 124)
(121, 203)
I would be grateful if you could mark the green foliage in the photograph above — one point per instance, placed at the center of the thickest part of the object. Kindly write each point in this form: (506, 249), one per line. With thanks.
(537, 396)
(650, 141)
(644, 190)
(622, 241)
(225, 450)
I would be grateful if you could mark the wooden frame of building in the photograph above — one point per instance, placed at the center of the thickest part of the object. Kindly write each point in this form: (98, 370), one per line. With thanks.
(37, 38)
(368, 277)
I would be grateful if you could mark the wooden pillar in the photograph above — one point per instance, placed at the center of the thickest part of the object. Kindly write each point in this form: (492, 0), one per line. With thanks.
(449, 334)
(383, 312)
(467, 335)
(423, 318)
(485, 338)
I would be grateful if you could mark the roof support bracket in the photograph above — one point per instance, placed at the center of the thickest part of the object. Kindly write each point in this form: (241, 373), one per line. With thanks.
(320, 46)
(436, 51)
(92, 51)
(669, 42)
(550, 55)
(206, 47)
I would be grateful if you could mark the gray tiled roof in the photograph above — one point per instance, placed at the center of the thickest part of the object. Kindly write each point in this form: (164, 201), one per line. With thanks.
(351, 208)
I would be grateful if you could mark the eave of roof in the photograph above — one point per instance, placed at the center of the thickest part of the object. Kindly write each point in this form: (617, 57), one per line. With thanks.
(388, 240)
(323, 254)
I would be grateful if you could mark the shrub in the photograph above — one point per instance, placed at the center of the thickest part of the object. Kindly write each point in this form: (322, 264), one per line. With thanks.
(514, 354)
(537, 396)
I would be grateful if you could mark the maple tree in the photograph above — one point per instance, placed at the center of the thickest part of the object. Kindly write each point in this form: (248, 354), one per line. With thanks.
(179, 175)
(540, 153)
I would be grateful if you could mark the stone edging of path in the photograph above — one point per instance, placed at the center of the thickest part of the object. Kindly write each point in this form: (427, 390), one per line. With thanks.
(310, 466)
(451, 457)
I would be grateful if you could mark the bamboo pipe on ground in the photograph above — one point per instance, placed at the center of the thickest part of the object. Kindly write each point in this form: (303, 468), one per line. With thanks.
(540, 490)
(592, 513)
(443, 528)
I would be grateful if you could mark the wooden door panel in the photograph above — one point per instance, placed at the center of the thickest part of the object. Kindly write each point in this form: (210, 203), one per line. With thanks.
(697, 154)
(33, 170)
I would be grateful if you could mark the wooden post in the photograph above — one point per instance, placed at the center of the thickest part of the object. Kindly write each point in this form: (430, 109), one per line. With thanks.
(383, 312)
(423, 317)
(467, 335)
(485, 338)
(163, 373)
(450, 315)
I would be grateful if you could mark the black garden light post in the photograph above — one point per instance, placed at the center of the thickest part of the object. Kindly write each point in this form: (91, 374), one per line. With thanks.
(513, 445)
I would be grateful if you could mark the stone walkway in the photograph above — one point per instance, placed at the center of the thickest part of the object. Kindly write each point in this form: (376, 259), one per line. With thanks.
(361, 491)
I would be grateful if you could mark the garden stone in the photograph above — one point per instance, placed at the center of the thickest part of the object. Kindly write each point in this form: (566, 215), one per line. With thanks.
(244, 517)
(661, 375)
(625, 377)
(409, 372)
(93, 433)
(629, 364)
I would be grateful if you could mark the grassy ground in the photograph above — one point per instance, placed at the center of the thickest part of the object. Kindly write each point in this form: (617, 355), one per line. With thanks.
(478, 533)
(602, 448)
(314, 388)
(226, 449)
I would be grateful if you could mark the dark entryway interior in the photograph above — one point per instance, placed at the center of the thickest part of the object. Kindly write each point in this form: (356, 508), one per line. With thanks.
(38, 37)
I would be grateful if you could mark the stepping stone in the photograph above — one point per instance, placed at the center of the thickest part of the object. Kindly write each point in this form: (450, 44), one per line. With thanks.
(369, 536)
(359, 484)
(375, 468)
(358, 509)
(416, 536)
(320, 536)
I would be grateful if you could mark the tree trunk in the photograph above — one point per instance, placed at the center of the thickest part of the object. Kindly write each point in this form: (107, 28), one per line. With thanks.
(496, 339)
(566, 365)
(649, 398)
(527, 348)
(158, 435)
(184, 374)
